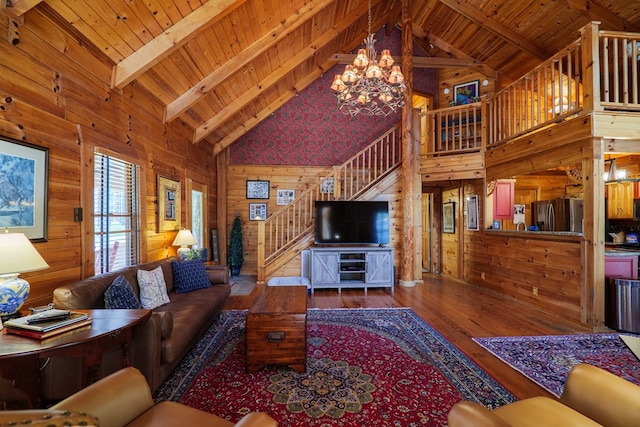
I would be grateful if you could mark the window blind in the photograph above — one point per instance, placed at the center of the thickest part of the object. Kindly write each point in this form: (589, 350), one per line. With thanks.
(116, 213)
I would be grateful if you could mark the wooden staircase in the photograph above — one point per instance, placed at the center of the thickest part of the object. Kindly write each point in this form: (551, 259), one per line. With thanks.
(290, 230)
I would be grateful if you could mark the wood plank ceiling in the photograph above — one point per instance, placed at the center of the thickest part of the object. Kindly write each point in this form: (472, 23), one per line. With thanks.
(222, 66)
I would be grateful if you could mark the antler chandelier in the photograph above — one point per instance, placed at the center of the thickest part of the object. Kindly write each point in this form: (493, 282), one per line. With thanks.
(369, 87)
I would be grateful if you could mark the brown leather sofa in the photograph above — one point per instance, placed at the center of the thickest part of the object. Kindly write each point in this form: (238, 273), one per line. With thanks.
(591, 397)
(124, 399)
(166, 338)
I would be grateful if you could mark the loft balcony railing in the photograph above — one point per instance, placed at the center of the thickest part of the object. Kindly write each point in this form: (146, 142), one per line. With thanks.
(283, 230)
(597, 72)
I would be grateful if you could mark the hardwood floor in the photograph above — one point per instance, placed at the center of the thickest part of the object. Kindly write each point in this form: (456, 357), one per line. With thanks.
(459, 312)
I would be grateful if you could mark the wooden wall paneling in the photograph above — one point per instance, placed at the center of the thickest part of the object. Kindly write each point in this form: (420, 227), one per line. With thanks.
(515, 266)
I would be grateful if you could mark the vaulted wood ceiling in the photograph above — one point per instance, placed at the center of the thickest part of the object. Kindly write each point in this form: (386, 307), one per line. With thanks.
(222, 66)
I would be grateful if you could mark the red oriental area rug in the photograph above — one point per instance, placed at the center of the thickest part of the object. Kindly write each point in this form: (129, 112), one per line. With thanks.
(363, 365)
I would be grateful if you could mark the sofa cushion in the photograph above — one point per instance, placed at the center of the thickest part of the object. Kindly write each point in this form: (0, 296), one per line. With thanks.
(120, 295)
(189, 276)
(153, 289)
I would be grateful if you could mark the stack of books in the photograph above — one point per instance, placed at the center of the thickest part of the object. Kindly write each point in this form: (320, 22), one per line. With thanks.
(47, 323)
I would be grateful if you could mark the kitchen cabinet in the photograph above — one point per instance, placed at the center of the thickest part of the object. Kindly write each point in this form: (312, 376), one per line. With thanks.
(620, 200)
(621, 266)
(503, 196)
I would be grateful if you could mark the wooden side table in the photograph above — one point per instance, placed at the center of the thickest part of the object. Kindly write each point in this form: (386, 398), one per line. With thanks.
(277, 328)
(21, 357)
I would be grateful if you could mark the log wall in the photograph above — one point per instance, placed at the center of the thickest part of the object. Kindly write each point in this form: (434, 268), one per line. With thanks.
(55, 93)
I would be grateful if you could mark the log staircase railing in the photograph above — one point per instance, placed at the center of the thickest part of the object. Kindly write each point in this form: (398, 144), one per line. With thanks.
(290, 229)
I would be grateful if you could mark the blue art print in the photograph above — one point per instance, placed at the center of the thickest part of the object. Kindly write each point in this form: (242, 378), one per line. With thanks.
(17, 191)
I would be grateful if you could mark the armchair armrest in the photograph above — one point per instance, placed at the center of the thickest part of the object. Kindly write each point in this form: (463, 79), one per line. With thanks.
(116, 400)
(256, 419)
(470, 414)
(602, 396)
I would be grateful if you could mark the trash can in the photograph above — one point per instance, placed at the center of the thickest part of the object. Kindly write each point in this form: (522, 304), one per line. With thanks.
(622, 304)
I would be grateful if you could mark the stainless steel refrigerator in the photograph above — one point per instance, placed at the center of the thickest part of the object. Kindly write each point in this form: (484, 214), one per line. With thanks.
(559, 215)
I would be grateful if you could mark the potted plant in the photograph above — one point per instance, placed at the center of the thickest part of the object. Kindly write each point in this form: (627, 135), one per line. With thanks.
(235, 258)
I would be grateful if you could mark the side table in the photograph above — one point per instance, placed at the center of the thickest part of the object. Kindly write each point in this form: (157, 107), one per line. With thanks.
(20, 357)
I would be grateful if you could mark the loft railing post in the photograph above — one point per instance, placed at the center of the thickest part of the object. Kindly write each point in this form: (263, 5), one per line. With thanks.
(590, 41)
(261, 252)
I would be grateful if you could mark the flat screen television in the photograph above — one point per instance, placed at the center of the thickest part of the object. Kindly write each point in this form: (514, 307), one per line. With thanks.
(351, 222)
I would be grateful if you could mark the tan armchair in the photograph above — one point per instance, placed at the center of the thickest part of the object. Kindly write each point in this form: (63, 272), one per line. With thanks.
(591, 397)
(124, 399)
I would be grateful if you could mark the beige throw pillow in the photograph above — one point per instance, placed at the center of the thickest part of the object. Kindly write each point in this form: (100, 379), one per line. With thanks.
(153, 289)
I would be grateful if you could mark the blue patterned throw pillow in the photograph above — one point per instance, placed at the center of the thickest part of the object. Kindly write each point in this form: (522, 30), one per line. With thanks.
(189, 275)
(120, 295)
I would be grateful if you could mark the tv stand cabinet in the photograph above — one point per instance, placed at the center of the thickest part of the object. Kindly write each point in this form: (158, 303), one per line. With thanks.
(352, 267)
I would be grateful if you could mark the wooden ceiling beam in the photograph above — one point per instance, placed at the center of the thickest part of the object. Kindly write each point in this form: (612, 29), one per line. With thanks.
(511, 37)
(457, 53)
(189, 98)
(595, 12)
(421, 61)
(18, 8)
(170, 40)
(212, 123)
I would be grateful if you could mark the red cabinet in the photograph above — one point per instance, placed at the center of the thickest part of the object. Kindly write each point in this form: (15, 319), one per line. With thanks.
(503, 200)
(621, 266)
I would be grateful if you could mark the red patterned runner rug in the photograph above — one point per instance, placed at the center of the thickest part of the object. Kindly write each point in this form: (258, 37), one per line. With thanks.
(363, 365)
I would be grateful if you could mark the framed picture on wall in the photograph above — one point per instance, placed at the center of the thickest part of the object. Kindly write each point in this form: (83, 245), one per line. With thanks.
(257, 211)
(23, 199)
(257, 189)
(472, 213)
(169, 204)
(466, 93)
(285, 197)
(449, 217)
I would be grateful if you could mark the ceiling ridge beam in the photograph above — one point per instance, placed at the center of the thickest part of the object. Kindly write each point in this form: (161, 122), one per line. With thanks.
(496, 28)
(170, 40)
(17, 8)
(213, 122)
(191, 97)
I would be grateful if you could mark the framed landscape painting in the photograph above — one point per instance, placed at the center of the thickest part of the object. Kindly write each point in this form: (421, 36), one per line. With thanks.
(24, 172)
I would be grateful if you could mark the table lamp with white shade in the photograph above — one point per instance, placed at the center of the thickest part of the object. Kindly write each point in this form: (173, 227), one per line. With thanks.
(184, 239)
(17, 255)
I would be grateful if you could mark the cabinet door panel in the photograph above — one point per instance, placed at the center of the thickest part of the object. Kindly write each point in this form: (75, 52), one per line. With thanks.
(325, 268)
(379, 267)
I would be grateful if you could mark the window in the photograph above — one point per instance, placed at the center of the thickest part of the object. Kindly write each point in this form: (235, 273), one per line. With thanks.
(115, 201)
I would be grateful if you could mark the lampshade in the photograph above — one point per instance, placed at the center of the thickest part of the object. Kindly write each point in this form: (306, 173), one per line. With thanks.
(17, 255)
(184, 239)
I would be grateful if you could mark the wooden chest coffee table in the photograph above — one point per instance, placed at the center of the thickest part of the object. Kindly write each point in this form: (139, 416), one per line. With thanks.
(277, 328)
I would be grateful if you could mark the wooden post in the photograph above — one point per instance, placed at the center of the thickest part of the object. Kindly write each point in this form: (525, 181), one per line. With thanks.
(222, 163)
(409, 157)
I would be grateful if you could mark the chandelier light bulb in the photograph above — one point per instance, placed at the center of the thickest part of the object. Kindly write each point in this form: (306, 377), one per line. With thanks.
(396, 77)
(386, 61)
(338, 85)
(362, 60)
(349, 76)
(374, 72)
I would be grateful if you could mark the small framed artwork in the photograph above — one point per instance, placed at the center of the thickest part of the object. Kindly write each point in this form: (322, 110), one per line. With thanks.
(449, 217)
(466, 93)
(23, 194)
(257, 189)
(169, 206)
(257, 211)
(472, 213)
(285, 197)
(327, 186)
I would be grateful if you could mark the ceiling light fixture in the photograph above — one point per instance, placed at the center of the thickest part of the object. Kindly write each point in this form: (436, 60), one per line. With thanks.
(370, 87)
